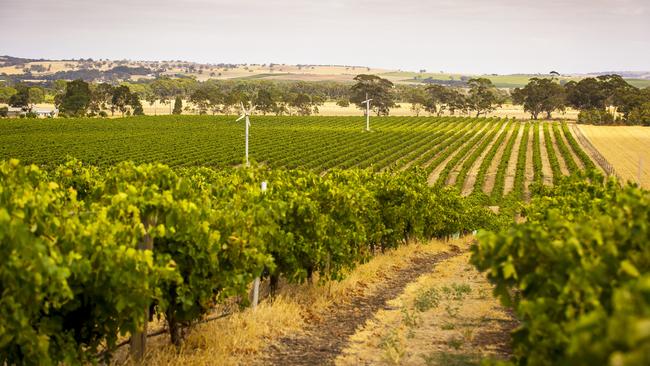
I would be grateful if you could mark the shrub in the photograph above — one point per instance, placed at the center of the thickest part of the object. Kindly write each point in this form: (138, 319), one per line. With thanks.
(596, 117)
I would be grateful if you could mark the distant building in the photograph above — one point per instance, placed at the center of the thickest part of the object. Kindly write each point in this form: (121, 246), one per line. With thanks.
(45, 111)
(41, 112)
(14, 112)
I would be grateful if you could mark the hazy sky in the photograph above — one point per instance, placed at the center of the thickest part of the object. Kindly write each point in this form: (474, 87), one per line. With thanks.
(483, 36)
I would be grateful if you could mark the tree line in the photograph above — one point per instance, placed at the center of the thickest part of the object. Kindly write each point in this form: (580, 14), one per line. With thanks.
(80, 98)
(605, 99)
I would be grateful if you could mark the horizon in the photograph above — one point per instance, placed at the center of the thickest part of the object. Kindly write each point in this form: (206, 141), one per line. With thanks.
(578, 37)
(593, 72)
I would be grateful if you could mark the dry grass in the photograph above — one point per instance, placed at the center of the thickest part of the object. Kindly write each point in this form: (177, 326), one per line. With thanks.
(445, 316)
(240, 338)
(625, 147)
(331, 109)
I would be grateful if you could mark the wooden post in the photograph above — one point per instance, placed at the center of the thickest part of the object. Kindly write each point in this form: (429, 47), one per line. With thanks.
(139, 338)
(640, 169)
(256, 282)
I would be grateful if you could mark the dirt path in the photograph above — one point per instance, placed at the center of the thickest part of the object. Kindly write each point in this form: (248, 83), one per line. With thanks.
(491, 174)
(324, 339)
(530, 170)
(560, 159)
(511, 170)
(547, 172)
(436, 311)
(446, 317)
(470, 180)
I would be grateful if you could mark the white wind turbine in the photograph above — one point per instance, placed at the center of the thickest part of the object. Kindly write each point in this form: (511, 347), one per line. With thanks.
(246, 114)
(367, 103)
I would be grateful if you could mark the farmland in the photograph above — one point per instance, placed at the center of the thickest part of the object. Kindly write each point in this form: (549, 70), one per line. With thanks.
(475, 155)
(627, 148)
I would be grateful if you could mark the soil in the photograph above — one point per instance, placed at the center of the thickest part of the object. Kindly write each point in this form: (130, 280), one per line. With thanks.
(491, 174)
(369, 329)
(511, 170)
(530, 171)
(433, 177)
(453, 175)
(324, 339)
(547, 172)
(575, 157)
(468, 186)
(563, 167)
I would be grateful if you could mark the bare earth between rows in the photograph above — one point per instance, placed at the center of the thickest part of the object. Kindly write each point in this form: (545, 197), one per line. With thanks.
(324, 340)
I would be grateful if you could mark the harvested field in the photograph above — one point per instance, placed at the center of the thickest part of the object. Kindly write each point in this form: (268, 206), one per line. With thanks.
(626, 148)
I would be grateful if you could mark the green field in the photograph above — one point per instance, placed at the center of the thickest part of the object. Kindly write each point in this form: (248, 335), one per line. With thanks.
(500, 81)
(485, 154)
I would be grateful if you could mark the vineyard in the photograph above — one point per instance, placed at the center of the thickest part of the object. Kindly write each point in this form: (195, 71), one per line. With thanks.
(73, 279)
(577, 274)
(475, 155)
(107, 226)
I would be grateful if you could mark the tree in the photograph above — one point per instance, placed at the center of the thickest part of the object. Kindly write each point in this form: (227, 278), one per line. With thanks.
(483, 96)
(439, 98)
(640, 115)
(376, 88)
(121, 99)
(5, 93)
(586, 94)
(343, 103)
(418, 98)
(201, 99)
(178, 105)
(304, 104)
(101, 98)
(596, 95)
(76, 99)
(265, 101)
(21, 98)
(540, 95)
(136, 105)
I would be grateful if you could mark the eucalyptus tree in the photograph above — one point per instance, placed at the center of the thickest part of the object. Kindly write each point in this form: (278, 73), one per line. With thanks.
(373, 87)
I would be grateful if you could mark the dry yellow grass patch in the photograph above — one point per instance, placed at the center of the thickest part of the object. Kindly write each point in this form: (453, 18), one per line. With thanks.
(239, 339)
(331, 109)
(446, 317)
(625, 147)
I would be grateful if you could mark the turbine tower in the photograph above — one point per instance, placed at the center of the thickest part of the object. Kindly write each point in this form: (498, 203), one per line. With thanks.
(246, 114)
(367, 103)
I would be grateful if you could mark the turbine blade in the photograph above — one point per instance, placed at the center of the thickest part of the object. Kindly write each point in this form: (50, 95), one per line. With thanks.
(252, 109)
(240, 118)
(243, 110)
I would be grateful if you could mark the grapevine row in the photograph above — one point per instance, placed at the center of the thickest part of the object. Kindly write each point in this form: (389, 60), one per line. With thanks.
(550, 152)
(575, 146)
(487, 161)
(564, 150)
(519, 185)
(500, 177)
(74, 280)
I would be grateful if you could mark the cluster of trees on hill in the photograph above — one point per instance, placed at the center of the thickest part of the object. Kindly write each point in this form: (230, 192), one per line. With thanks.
(114, 74)
(480, 97)
(79, 98)
(606, 99)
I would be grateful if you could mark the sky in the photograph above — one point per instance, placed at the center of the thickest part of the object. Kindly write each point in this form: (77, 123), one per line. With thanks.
(469, 36)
